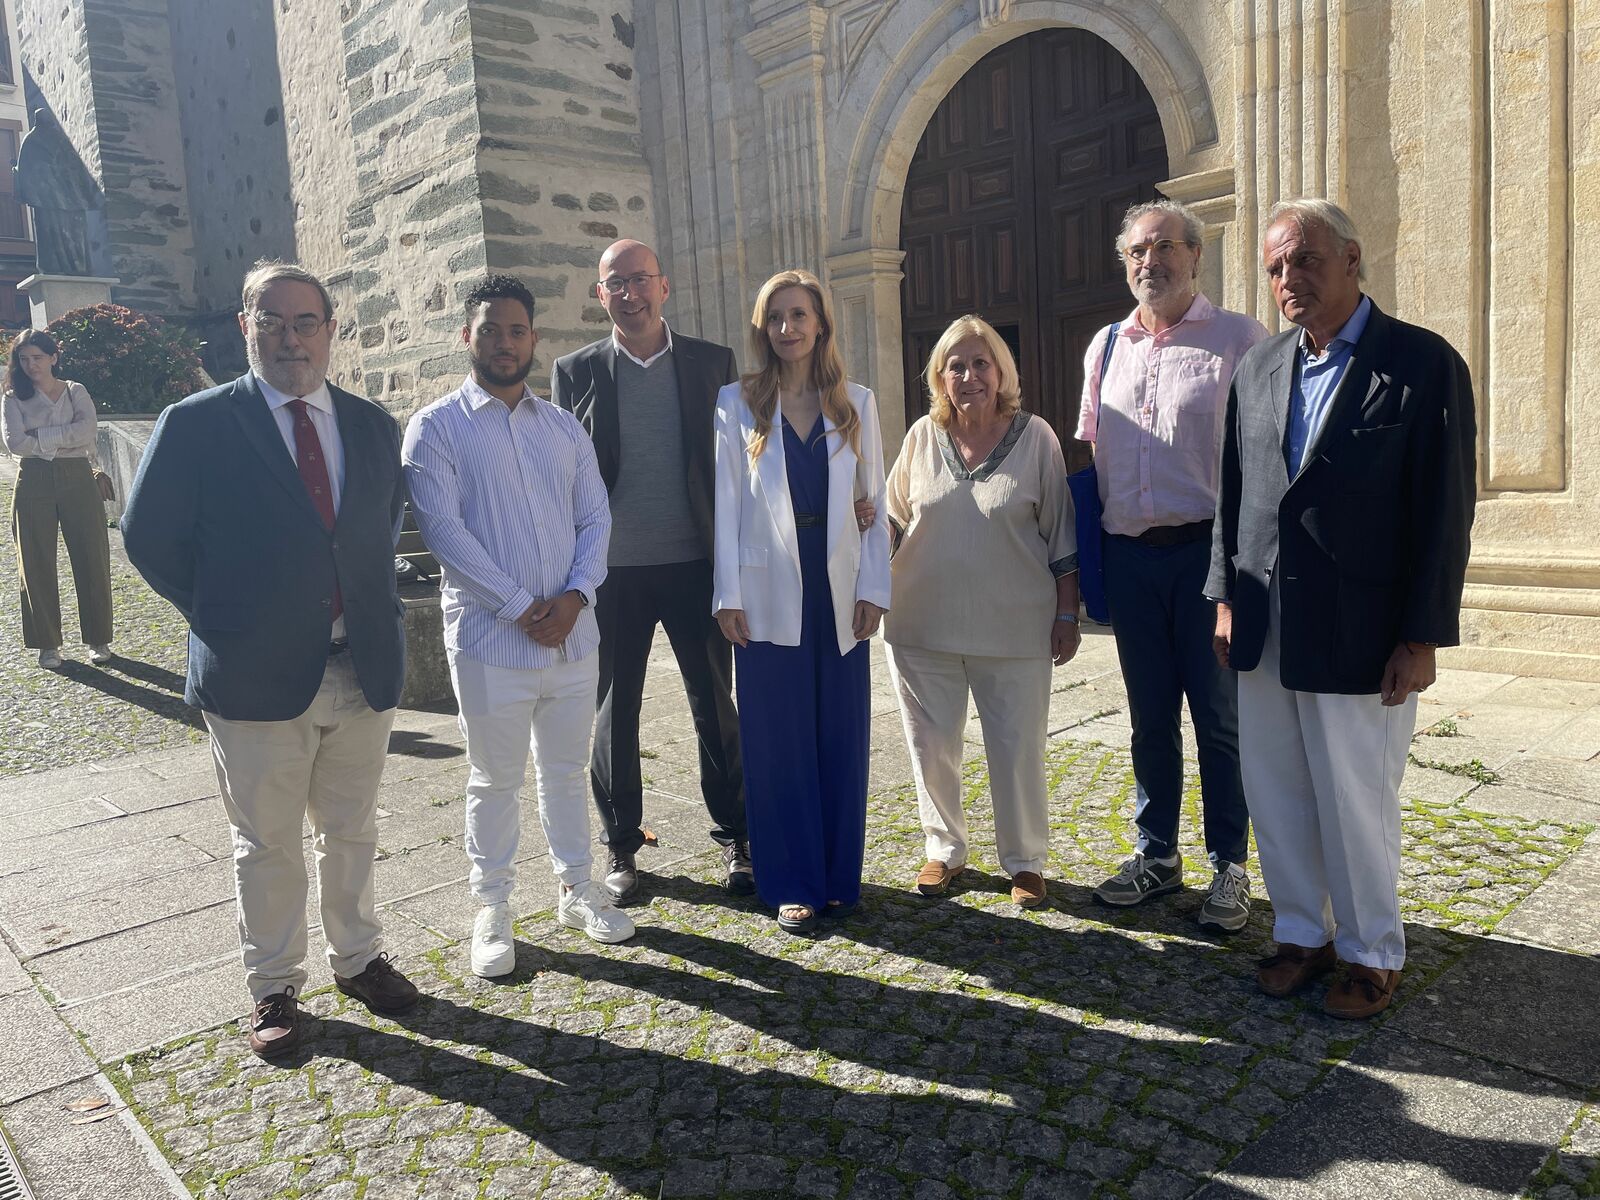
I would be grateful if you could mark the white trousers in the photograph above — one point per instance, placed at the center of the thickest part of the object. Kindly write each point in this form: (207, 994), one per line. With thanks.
(505, 711)
(323, 765)
(1013, 699)
(1322, 779)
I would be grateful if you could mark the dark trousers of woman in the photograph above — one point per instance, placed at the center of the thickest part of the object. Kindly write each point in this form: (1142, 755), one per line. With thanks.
(804, 714)
(61, 495)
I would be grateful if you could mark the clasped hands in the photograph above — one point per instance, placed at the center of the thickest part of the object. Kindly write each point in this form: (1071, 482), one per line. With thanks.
(548, 622)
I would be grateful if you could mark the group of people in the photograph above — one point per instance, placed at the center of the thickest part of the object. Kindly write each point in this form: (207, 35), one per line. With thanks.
(1285, 527)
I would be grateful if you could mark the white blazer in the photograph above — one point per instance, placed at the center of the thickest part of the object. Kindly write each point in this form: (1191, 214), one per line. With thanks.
(757, 565)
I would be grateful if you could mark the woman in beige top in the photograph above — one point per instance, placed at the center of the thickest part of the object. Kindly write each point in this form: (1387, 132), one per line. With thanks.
(50, 427)
(986, 599)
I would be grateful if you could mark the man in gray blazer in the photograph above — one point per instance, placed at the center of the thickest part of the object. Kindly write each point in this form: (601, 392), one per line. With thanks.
(647, 396)
(1342, 533)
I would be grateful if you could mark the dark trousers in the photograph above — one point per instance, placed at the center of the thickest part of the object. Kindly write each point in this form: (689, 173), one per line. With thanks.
(628, 606)
(54, 496)
(1163, 626)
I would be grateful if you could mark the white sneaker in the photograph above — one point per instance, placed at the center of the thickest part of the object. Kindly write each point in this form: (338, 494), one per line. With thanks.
(587, 907)
(50, 658)
(100, 655)
(494, 948)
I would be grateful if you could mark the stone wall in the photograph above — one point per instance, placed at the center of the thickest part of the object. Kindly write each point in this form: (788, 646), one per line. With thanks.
(54, 46)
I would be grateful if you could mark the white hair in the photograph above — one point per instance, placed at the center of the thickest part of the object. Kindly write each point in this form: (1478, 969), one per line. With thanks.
(1326, 214)
(1193, 227)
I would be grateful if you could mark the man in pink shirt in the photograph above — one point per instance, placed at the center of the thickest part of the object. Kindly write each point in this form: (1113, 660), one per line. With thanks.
(1154, 396)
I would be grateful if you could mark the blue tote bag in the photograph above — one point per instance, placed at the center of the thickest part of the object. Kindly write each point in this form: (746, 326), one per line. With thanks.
(1085, 488)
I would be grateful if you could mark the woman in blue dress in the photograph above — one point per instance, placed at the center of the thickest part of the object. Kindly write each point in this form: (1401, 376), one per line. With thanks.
(802, 582)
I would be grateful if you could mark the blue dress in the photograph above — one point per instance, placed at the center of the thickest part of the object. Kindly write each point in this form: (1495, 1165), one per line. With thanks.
(804, 721)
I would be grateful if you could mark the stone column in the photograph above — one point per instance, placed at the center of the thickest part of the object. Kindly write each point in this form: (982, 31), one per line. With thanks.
(865, 285)
(787, 47)
(1209, 194)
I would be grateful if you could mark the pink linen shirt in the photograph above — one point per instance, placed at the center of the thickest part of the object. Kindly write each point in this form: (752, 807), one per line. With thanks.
(1157, 429)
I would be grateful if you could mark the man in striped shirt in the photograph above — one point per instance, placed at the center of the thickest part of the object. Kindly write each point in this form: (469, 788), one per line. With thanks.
(509, 499)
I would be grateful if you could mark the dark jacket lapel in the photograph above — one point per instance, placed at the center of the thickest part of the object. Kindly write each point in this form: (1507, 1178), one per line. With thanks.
(1358, 385)
(261, 431)
(1281, 385)
(607, 430)
(353, 432)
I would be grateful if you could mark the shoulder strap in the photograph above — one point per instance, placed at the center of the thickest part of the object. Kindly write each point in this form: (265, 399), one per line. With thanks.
(1105, 362)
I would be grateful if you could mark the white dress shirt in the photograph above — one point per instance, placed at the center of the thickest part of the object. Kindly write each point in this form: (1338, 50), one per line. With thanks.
(643, 362)
(511, 503)
(319, 407)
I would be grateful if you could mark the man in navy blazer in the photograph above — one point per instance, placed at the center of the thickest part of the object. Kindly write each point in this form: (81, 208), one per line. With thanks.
(266, 510)
(1344, 517)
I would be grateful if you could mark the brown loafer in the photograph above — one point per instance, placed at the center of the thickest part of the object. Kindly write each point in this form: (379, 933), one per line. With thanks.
(275, 1025)
(1027, 889)
(380, 987)
(1363, 992)
(1292, 967)
(936, 877)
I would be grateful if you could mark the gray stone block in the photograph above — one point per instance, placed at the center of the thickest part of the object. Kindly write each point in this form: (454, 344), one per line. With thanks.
(38, 1050)
(1564, 911)
(63, 1161)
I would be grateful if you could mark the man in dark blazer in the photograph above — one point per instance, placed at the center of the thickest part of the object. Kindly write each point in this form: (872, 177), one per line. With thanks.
(648, 396)
(266, 511)
(1342, 533)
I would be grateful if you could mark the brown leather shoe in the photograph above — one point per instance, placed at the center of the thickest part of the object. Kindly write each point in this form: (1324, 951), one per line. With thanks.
(936, 877)
(1292, 967)
(1363, 992)
(380, 987)
(1027, 889)
(275, 1025)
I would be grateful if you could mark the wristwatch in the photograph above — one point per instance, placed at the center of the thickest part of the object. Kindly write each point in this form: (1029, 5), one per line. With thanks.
(1073, 617)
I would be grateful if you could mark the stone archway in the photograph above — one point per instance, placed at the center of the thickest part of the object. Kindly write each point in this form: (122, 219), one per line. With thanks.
(893, 82)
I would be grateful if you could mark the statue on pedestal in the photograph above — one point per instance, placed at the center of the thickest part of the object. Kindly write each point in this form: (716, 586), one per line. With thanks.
(66, 201)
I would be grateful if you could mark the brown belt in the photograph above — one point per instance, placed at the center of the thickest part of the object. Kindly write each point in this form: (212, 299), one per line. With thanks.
(1161, 536)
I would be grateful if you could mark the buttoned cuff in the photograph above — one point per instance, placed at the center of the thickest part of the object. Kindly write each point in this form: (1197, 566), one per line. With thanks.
(517, 605)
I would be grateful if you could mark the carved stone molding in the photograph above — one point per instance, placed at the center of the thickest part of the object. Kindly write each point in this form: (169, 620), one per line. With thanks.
(993, 12)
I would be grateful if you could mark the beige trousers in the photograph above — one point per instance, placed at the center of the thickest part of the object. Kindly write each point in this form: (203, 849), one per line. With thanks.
(323, 765)
(1013, 699)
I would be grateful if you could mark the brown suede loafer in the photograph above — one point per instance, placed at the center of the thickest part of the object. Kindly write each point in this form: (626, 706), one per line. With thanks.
(380, 987)
(1363, 992)
(1292, 967)
(275, 1025)
(1027, 889)
(936, 877)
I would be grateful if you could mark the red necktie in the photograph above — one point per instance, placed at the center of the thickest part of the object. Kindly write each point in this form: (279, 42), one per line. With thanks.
(314, 474)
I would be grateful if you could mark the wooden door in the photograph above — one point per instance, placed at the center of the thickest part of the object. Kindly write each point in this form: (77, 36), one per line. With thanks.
(1012, 203)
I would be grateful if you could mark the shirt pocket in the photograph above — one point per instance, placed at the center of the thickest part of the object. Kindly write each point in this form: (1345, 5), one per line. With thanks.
(1201, 384)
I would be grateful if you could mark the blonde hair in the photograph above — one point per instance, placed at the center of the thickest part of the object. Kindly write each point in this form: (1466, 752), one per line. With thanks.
(827, 366)
(1008, 397)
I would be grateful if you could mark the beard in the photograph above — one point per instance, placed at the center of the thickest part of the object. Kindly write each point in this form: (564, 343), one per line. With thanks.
(294, 377)
(499, 377)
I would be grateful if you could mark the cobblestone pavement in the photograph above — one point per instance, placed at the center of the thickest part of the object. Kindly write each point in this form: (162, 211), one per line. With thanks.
(84, 713)
(921, 1048)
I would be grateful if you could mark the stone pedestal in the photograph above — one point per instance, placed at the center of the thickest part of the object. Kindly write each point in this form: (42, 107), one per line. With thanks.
(51, 295)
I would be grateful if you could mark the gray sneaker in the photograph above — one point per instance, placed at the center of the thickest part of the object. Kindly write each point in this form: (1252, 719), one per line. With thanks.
(1227, 905)
(1140, 878)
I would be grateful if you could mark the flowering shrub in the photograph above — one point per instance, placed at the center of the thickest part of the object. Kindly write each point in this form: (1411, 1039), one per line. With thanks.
(130, 362)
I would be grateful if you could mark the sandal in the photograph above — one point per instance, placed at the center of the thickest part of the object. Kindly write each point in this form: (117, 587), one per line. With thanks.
(837, 910)
(797, 924)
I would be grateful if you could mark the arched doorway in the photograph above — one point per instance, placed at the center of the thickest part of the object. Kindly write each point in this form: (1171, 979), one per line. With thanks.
(1013, 199)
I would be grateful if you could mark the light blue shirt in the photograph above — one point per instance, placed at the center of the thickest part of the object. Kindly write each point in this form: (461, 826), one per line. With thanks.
(511, 503)
(1316, 379)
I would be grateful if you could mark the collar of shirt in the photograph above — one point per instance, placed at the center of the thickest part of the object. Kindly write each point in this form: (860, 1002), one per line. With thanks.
(476, 397)
(321, 398)
(1200, 309)
(643, 362)
(1347, 337)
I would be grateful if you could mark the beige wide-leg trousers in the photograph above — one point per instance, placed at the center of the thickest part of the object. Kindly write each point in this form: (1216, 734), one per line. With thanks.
(323, 765)
(61, 494)
(1013, 699)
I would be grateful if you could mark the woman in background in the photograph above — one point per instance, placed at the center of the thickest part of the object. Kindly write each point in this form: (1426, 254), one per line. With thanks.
(801, 583)
(50, 427)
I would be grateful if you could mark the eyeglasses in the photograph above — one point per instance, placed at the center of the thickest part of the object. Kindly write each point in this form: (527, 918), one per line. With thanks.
(1139, 251)
(615, 285)
(273, 326)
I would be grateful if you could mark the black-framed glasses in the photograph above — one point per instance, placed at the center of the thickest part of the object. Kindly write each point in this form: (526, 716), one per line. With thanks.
(615, 285)
(273, 325)
(1139, 251)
